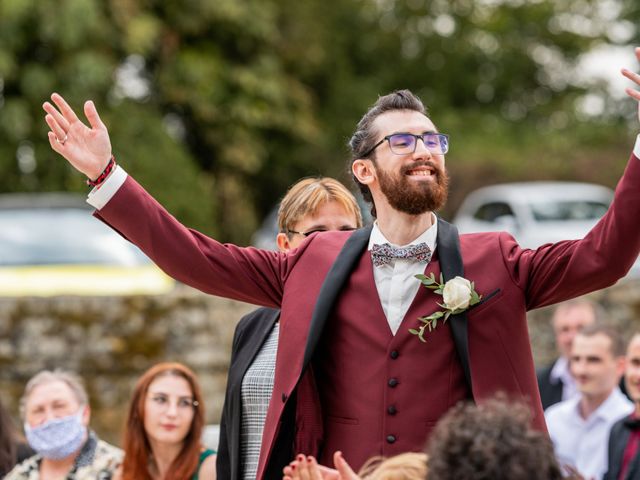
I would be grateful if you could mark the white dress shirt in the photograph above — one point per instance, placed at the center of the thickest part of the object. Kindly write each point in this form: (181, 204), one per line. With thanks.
(395, 281)
(583, 442)
(560, 373)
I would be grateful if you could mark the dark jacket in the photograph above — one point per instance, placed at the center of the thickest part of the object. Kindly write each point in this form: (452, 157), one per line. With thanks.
(251, 333)
(618, 439)
(550, 390)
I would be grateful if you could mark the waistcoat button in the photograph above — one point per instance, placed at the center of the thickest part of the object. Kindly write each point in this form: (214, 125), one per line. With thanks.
(391, 410)
(393, 382)
(391, 438)
(394, 354)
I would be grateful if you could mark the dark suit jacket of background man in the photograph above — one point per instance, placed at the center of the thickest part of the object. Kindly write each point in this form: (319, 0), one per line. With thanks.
(251, 333)
(498, 343)
(618, 439)
(550, 390)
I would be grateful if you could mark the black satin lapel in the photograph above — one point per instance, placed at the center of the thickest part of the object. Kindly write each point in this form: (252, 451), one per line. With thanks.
(451, 265)
(343, 265)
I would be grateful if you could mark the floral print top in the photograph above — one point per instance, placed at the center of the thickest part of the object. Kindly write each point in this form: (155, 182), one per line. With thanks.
(97, 461)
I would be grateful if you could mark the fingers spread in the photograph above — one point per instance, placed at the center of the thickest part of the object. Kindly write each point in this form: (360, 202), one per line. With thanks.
(631, 75)
(64, 107)
(58, 131)
(53, 111)
(92, 115)
(633, 93)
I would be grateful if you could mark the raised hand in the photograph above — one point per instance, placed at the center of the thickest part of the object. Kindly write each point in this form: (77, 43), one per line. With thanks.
(634, 77)
(87, 149)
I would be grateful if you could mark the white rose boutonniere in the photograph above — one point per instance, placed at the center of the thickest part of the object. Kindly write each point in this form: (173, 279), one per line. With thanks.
(458, 294)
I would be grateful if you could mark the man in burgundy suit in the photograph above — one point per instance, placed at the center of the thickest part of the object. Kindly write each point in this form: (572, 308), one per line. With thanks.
(349, 374)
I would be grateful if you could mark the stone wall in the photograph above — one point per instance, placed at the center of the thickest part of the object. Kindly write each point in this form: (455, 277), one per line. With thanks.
(111, 341)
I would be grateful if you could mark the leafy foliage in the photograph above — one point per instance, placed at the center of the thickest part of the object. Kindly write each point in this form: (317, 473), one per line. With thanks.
(218, 106)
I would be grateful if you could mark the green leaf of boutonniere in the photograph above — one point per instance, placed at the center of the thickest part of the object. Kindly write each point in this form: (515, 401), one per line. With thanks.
(458, 295)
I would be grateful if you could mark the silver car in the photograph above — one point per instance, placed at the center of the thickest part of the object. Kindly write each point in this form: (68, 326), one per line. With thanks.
(535, 213)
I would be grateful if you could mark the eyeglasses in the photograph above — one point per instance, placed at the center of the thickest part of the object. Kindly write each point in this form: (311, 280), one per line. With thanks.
(162, 401)
(405, 143)
(316, 230)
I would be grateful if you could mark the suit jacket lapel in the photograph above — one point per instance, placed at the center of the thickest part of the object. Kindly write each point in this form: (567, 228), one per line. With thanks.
(343, 265)
(451, 265)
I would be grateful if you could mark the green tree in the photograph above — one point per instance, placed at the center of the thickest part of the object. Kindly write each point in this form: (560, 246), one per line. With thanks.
(216, 107)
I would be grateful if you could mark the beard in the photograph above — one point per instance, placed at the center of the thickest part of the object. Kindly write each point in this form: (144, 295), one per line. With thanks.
(415, 198)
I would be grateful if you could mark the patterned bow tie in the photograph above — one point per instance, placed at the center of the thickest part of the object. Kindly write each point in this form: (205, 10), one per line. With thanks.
(385, 253)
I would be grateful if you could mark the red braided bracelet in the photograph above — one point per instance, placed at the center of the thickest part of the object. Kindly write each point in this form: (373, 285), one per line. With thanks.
(105, 173)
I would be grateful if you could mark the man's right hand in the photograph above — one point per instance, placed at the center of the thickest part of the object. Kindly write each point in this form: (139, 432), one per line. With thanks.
(87, 149)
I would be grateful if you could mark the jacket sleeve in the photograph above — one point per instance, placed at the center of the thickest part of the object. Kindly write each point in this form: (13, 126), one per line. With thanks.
(245, 274)
(567, 269)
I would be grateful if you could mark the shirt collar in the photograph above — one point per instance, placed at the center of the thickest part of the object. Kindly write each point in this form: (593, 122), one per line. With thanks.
(610, 410)
(429, 236)
(560, 370)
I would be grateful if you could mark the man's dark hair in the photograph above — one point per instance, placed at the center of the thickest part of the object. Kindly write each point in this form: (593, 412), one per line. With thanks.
(617, 347)
(491, 441)
(365, 136)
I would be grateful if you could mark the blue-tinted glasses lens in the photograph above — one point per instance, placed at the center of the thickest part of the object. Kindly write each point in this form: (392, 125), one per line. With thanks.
(403, 143)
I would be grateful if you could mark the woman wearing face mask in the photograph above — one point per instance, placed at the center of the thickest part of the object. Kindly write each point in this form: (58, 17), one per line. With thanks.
(56, 413)
(164, 426)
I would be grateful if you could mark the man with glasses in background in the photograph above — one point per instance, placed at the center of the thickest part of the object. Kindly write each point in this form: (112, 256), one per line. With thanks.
(369, 357)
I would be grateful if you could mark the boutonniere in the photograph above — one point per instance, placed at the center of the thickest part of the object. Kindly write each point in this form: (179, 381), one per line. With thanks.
(458, 294)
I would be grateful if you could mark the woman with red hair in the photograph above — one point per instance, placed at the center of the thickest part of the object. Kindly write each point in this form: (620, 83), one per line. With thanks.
(163, 430)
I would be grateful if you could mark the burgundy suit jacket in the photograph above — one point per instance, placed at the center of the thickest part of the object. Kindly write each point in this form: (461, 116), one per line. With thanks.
(305, 282)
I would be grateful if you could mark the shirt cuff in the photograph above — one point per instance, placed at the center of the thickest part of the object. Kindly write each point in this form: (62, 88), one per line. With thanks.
(636, 149)
(100, 196)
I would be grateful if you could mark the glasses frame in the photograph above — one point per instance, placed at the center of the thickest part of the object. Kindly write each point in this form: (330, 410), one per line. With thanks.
(415, 145)
(163, 402)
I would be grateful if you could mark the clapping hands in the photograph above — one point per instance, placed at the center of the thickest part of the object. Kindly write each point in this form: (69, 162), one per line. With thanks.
(307, 468)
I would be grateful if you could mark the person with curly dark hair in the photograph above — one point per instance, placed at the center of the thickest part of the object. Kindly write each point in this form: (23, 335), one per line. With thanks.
(490, 441)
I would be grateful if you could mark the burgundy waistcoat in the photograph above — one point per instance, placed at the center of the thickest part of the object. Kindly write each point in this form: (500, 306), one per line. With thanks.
(372, 390)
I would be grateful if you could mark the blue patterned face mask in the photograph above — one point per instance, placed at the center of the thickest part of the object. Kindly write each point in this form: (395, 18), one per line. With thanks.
(58, 438)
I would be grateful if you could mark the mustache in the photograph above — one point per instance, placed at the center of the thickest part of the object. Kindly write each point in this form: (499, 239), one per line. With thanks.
(422, 163)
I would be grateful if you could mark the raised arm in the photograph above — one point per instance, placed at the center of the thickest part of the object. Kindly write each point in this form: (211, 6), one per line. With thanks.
(245, 274)
(559, 271)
